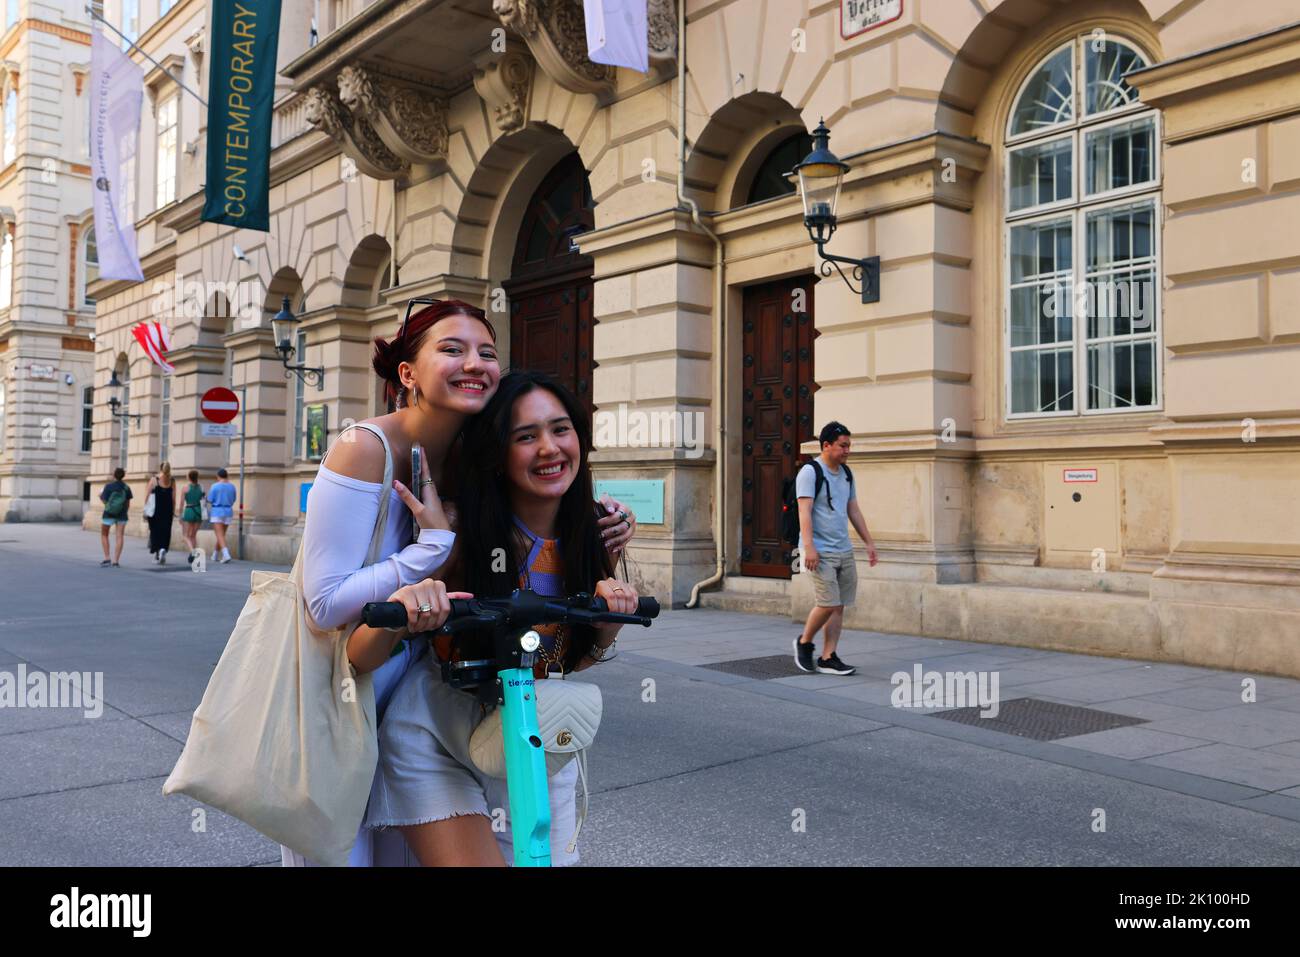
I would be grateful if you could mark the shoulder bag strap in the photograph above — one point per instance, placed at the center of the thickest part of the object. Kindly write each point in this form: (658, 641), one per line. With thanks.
(385, 494)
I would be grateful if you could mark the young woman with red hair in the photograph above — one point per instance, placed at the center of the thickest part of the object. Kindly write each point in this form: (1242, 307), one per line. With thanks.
(440, 370)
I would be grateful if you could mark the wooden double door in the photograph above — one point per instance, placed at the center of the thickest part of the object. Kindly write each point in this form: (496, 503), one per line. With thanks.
(550, 285)
(776, 408)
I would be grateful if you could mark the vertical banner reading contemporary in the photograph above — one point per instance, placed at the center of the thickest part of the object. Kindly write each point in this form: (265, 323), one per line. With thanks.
(241, 91)
(117, 90)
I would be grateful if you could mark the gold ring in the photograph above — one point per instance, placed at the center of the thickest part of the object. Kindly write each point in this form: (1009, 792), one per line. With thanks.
(426, 482)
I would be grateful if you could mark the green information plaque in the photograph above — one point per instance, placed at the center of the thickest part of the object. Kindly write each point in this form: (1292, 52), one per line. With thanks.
(645, 497)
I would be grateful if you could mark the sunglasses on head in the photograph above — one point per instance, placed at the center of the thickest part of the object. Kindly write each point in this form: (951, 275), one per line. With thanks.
(410, 305)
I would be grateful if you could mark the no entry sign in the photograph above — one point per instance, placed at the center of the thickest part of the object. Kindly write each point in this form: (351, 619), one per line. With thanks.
(219, 405)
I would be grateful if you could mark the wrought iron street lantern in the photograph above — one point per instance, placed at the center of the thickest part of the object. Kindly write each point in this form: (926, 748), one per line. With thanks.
(115, 406)
(283, 328)
(821, 175)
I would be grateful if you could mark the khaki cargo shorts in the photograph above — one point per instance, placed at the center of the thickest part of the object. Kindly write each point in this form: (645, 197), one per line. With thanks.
(835, 579)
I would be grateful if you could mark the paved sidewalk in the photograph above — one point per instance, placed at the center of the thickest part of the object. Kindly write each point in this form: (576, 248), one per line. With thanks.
(1197, 733)
(710, 741)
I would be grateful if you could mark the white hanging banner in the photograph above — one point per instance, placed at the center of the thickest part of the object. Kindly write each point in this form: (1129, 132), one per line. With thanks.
(617, 33)
(117, 90)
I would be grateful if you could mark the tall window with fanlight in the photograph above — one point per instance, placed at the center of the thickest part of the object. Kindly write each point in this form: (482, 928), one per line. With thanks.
(1082, 236)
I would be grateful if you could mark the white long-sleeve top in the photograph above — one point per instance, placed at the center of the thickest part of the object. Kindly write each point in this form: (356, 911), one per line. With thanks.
(341, 514)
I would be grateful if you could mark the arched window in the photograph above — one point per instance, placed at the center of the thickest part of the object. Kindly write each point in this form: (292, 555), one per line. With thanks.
(1082, 236)
(90, 265)
(10, 126)
(770, 180)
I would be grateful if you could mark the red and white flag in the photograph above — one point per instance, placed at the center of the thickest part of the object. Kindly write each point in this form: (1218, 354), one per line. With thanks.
(156, 342)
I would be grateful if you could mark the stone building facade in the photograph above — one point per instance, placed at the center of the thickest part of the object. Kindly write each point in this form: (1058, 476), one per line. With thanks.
(1075, 407)
(47, 253)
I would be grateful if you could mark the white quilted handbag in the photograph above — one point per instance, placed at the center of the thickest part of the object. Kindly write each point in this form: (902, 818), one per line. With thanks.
(568, 716)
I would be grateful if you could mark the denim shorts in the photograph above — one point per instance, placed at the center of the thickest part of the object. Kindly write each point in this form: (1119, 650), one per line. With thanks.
(425, 773)
(114, 521)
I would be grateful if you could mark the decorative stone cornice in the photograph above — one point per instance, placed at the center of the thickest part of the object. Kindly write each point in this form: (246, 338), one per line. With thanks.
(556, 34)
(504, 81)
(661, 16)
(326, 112)
(413, 126)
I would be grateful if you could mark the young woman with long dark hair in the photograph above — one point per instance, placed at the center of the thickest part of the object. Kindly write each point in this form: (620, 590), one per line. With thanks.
(527, 519)
(440, 370)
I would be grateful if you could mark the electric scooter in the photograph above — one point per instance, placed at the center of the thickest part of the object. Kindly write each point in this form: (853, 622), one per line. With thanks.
(502, 675)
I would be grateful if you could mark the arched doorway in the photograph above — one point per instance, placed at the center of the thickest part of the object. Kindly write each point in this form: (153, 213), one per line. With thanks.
(550, 284)
(777, 381)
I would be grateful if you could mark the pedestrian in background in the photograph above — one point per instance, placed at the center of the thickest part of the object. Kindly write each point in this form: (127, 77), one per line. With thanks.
(826, 549)
(192, 514)
(160, 512)
(116, 497)
(221, 498)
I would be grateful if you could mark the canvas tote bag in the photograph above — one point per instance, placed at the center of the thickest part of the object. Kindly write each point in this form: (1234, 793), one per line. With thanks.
(284, 738)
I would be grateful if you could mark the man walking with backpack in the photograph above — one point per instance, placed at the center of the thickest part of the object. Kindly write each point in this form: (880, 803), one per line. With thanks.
(827, 503)
(116, 497)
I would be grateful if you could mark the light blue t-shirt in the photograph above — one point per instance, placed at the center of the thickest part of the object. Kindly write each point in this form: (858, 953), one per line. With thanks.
(830, 525)
(221, 495)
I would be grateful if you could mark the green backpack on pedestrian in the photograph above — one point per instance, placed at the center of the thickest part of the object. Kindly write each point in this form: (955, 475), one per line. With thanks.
(115, 507)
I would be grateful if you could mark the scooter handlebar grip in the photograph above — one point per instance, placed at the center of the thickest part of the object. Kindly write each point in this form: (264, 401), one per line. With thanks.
(384, 614)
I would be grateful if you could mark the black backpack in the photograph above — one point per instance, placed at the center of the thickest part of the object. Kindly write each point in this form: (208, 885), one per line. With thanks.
(790, 502)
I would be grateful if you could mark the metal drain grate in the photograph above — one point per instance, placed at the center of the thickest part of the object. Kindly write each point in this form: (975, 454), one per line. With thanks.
(769, 666)
(1041, 720)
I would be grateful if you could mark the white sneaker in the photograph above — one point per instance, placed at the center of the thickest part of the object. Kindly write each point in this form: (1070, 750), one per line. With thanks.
(225, 555)
(162, 556)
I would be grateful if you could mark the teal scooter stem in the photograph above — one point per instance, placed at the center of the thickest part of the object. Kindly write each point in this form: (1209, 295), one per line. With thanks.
(530, 803)
(503, 677)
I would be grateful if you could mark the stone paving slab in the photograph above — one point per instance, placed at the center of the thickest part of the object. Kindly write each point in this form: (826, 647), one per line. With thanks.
(124, 825)
(1247, 726)
(1088, 689)
(1192, 698)
(1132, 742)
(91, 753)
(1225, 762)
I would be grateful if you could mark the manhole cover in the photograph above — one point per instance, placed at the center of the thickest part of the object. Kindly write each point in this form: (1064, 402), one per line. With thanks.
(1041, 720)
(769, 666)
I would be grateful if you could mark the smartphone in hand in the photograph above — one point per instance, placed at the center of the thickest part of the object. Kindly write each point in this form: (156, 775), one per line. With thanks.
(417, 455)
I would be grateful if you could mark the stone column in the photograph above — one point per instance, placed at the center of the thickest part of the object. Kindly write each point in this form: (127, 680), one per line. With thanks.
(653, 343)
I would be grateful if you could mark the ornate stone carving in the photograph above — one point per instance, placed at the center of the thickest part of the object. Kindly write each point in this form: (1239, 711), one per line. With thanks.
(556, 34)
(411, 125)
(662, 28)
(505, 83)
(358, 137)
